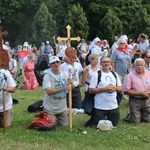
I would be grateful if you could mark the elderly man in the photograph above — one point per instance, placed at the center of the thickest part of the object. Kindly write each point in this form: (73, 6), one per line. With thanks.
(105, 102)
(137, 86)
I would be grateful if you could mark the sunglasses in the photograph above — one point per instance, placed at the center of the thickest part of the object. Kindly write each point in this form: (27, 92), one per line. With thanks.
(122, 43)
(55, 62)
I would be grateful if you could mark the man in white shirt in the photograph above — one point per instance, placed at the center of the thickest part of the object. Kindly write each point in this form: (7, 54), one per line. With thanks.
(105, 102)
(144, 43)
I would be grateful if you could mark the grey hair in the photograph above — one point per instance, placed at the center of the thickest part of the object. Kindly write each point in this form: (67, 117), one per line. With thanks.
(92, 57)
(139, 59)
(104, 57)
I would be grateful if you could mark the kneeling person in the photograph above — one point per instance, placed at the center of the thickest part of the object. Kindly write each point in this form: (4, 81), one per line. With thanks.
(55, 87)
(105, 102)
(8, 88)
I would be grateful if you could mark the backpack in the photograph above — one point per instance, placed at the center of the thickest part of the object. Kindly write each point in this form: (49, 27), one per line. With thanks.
(42, 63)
(86, 58)
(88, 102)
(43, 123)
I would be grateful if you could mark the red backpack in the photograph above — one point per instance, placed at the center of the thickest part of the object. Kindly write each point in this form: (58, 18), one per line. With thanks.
(43, 123)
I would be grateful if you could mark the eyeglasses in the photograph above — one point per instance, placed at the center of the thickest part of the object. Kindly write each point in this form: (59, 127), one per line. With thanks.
(55, 62)
(105, 61)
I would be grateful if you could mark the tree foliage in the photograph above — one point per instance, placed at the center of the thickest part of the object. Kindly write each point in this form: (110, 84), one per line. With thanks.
(141, 23)
(111, 26)
(44, 26)
(77, 19)
(86, 18)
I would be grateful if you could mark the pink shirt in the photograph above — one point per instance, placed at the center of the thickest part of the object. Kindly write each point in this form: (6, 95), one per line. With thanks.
(134, 82)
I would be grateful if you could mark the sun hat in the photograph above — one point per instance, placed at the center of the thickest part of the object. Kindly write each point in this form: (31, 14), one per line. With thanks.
(105, 125)
(53, 59)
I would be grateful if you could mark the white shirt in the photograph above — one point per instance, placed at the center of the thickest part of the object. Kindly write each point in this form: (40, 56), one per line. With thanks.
(12, 64)
(8, 99)
(143, 46)
(76, 70)
(62, 49)
(52, 102)
(105, 100)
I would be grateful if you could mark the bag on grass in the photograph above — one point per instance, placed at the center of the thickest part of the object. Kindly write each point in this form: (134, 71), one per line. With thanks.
(43, 123)
(37, 106)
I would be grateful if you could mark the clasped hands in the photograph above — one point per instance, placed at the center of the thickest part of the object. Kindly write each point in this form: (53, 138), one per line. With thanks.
(145, 94)
(110, 88)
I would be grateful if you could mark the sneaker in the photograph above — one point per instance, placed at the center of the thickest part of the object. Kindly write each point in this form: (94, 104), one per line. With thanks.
(127, 118)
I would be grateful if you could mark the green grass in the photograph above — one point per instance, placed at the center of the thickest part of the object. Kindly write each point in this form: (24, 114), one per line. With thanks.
(124, 137)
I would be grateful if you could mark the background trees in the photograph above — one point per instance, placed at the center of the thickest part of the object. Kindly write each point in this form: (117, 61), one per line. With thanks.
(112, 26)
(77, 19)
(44, 26)
(27, 21)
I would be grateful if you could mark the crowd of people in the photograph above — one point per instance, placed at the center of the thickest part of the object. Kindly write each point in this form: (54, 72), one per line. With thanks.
(129, 60)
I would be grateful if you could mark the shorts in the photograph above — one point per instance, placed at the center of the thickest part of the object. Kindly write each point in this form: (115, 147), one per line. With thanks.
(8, 116)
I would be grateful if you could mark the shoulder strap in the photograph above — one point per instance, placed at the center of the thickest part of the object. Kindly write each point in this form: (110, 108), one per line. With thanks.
(114, 74)
(99, 76)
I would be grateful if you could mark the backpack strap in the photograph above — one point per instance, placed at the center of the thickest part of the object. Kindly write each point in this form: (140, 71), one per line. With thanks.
(99, 76)
(114, 74)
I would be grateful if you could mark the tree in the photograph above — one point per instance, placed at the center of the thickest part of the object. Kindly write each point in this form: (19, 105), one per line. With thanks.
(77, 19)
(44, 25)
(110, 26)
(125, 10)
(140, 23)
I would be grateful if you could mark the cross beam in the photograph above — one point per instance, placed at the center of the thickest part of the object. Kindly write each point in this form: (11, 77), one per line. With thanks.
(69, 38)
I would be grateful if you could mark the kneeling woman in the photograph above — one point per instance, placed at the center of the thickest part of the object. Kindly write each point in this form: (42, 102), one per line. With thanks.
(29, 78)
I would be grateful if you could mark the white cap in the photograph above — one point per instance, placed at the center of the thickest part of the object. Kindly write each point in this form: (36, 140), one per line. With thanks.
(25, 44)
(53, 59)
(47, 42)
(97, 39)
(123, 37)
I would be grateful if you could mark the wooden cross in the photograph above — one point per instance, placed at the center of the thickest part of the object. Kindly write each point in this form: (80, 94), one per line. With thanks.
(4, 60)
(68, 38)
(1, 34)
(4, 64)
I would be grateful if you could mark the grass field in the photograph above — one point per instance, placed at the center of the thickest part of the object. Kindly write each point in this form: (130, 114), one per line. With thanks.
(124, 137)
